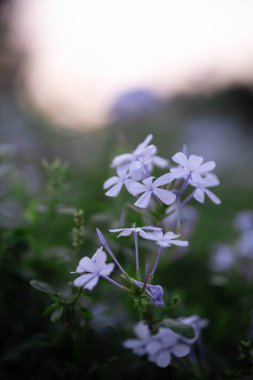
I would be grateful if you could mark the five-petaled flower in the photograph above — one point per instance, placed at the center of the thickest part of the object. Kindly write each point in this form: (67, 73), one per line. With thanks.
(150, 187)
(166, 240)
(202, 189)
(93, 269)
(138, 230)
(158, 347)
(115, 183)
(192, 167)
(143, 157)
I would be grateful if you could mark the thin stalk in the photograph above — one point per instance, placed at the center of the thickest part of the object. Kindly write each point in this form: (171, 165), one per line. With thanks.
(184, 186)
(138, 274)
(158, 255)
(115, 283)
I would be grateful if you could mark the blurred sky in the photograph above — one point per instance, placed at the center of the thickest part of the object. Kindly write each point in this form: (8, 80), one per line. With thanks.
(79, 56)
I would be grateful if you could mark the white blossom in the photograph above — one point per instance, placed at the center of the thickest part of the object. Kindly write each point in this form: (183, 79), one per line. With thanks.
(130, 230)
(192, 166)
(92, 269)
(211, 180)
(158, 347)
(115, 183)
(167, 239)
(149, 188)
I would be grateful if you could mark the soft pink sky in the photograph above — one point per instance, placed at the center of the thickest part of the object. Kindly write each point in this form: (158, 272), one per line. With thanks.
(80, 54)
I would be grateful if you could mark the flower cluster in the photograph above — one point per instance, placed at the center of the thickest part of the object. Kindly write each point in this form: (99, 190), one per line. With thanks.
(162, 202)
(161, 346)
(134, 172)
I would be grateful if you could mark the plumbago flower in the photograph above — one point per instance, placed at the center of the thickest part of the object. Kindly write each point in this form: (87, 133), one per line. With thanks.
(211, 180)
(159, 347)
(130, 230)
(115, 183)
(192, 168)
(93, 269)
(165, 240)
(150, 188)
(143, 155)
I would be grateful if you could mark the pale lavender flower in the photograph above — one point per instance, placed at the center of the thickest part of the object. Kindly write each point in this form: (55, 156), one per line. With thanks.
(192, 167)
(163, 345)
(130, 230)
(93, 268)
(115, 183)
(140, 162)
(149, 188)
(143, 338)
(222, 258)
(166, 240)
(211, 180)
(158, 347)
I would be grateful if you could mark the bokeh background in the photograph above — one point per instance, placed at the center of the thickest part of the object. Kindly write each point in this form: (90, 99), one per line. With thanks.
(83, 81)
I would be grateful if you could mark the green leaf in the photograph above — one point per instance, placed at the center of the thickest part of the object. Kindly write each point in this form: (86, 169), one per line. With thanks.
(56, 315)
(179, 328)
(42, 286)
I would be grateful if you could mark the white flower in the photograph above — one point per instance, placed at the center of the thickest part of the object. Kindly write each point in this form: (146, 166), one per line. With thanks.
(115, 183)
(139, 230)
(158, 347)
(166, 240)
(143, 337)
(93, 269)
(202, 189)
(141, 160)
(149, 188)
(163, 345)
(192, 166)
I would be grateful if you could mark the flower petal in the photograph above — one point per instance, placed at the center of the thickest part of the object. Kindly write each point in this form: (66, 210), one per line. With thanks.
(179, 172)
(144, 200)
(153, 347)
(99, 258)
(144, 144)
(148, 181)
(163, 180)
(180, 350)
(181, 159)
(107, 270)
(84, 279)
(213, 197)
(110, 182)
(85, 265)
(92, 283)
(180, 243)
(195, 161)
(137, 188)
(163, 359)
(206, 167)
(166, 196)
(121, 159)
(142, 331)
(160, 162)
(115, 190)
(199, 195)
